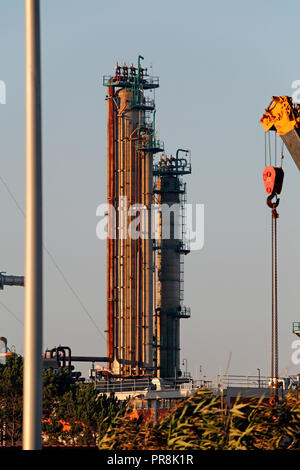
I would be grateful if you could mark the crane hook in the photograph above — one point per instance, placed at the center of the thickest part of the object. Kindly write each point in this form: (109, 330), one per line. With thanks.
(272, 204)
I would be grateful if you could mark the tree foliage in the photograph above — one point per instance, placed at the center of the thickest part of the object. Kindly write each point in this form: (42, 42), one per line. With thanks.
(11, 401)
(84, 415)
(73, 413)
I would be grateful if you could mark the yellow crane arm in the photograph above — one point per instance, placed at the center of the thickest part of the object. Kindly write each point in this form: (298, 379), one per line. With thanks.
(283, 116)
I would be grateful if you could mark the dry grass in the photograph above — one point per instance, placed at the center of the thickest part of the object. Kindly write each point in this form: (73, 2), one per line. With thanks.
(200, 422)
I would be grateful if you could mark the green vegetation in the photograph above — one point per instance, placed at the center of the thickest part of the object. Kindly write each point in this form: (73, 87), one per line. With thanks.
(73, 413)
(201, 422)
(11, 404)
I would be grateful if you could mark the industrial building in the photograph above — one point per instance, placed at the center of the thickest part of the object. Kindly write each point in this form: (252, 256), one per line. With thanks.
(145, 265)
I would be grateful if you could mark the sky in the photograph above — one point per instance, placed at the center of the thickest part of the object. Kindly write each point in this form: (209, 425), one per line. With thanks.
(219, 64)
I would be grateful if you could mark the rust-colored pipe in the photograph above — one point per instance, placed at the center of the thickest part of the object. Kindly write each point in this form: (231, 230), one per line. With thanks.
(139, 270)
(137, 351)
(134, 178)
(63, 349)
(110, 247)
(115, 255)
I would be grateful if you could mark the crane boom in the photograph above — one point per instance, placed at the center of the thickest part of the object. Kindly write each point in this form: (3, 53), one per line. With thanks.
(283, 116)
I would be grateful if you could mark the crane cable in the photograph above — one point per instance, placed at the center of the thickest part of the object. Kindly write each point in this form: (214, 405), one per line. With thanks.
(274, 345)
(273, 178)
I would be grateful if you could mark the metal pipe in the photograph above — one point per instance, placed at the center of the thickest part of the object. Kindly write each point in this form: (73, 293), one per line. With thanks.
(137, 283)
(177, 153)
(139, 273)
(133, 244)
(32, 407)
(121, 244)
(110, 193)
(148, 260)
(143, 281)
(127, 260)
(140, 57)
(115, 273)
(134, 178)
(11, 281)
(131, 270)
(90, 359)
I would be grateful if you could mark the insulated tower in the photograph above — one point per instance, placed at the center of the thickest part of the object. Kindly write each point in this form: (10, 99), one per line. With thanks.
(171, 247)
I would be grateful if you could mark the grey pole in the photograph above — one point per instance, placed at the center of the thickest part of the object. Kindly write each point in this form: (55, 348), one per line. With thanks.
(32, 408)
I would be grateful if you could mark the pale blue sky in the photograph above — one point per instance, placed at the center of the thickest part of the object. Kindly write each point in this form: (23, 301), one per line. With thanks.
(219, 63)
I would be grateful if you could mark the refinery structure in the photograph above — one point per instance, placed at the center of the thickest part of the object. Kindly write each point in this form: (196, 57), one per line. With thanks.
(147, 233)
(145, 191)
(147, 242)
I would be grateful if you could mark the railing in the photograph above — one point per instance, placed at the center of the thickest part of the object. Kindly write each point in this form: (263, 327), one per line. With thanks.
(141, 384)
(248, 381)
(107, 386)
(296, 327)
(186, 382)
(244, 381)
(184, 246)
(146, 103)
(131, 81)
(153, 81)
(150, 145)
(171, 165)
(187, 375)
(184, 312)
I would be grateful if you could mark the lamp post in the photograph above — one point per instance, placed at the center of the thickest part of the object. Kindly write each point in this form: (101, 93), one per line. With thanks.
(258, 369)
(32, 405)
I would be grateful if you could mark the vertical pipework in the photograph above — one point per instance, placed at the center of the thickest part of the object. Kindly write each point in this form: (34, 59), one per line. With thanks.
(121, 285)
(148, 261)
(139, 325)
(130, 261)
(110, 244)
(115, 272)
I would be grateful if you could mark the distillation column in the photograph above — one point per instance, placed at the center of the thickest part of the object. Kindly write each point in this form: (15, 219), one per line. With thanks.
(129, 308)
(168, 274)
(170, 249)
(130, 192)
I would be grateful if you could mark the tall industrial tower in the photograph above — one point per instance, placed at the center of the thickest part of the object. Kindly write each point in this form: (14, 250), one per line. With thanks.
(144, 272)
(170, 249)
